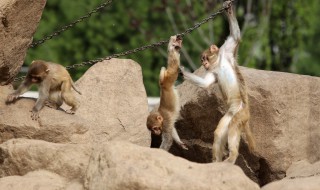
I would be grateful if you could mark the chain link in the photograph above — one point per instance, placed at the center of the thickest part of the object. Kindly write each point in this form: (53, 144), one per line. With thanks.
(64, 28)
(153, 45)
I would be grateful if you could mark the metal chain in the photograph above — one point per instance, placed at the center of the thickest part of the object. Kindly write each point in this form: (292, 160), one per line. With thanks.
(153, 45)
(66, 27)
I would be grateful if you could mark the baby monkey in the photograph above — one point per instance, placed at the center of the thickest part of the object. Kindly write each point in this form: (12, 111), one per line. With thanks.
(54, 87)
(161, 121)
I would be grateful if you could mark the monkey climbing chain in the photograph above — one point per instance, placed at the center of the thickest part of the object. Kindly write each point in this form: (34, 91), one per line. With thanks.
(142, 48)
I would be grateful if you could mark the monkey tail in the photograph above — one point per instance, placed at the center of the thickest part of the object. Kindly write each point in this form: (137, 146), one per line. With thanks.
(249, 136)
(74, 88)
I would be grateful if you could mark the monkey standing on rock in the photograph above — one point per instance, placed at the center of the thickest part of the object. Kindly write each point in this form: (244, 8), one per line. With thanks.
(161, 121)
(222, 68)
(55, 86)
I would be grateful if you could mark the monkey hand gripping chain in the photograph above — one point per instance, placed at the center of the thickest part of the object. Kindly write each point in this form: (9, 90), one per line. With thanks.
(132, 51)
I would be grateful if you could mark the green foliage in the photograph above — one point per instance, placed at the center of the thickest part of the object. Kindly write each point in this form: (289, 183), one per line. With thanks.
(281, 35)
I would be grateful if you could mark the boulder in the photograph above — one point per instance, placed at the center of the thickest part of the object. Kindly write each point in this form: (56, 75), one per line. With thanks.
(300, 176)
(20, 156)
(285, 111)
(39, 179)
(52, 126)
(113, 105)
(18, 22)
(122, 165)
(114, 101)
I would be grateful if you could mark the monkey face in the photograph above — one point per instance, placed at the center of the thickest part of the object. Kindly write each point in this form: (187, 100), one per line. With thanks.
(36, 79)
(154, 123)
(156, 130)
(209, 57)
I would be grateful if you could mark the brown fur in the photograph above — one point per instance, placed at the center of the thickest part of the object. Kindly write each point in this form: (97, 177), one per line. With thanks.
(54, 83)
(162, 121)
(222, 68)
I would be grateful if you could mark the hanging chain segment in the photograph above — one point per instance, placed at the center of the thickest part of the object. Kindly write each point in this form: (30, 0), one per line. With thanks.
(142, 48)
(154, 45)
(64, 28)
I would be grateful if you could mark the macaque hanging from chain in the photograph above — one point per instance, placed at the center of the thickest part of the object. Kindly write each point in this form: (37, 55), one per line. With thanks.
(55, 86)
(222, 68)
(161, 121)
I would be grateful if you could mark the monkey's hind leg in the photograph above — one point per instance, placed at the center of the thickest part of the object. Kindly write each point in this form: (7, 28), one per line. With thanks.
(68, 97)
(55, 100)
(220, 136)
(234, 135)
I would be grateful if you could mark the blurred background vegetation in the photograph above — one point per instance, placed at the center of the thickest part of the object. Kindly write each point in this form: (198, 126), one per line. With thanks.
(276, 35)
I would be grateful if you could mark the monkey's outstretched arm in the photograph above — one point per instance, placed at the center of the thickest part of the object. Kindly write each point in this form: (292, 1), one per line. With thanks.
(231, 44)
(233, 23)
(24, 87)
(177, 139)
(167, 140)
(205, 82)
(43, 96)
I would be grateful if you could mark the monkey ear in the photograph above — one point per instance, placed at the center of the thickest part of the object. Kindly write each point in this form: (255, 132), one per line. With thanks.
(47, 71)
(159, 118)
(213, 48)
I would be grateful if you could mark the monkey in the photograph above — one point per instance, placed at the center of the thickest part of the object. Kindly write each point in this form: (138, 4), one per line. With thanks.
(161, 121)
(222, 68)
(55, 85)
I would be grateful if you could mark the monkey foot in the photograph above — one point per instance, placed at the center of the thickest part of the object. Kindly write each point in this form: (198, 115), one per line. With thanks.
(51, 105)
(70, 112)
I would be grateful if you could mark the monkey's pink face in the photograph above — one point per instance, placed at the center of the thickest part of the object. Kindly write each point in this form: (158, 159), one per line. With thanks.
(36, 79)
(205, 61)
(156, 130)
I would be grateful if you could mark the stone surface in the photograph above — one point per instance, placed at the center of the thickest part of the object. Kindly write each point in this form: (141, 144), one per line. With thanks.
(300, 176)
(114, 101)
(285, 111)
(53, 125)
(18, 22)
(20, 156)
(38, 180)
(142, 168)
(113, 105)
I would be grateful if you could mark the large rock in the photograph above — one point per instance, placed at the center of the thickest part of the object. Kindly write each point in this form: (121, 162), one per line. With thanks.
(113, 105)
(142, 168)
(53, 125)
(20, 156)
(114, 100)
(18, 22)
(40, 179)
(285, 120)
(300, 176)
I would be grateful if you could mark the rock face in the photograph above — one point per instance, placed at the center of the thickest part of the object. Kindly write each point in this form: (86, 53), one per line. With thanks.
(113, 106)
(20, 156)
(300, 176)
(143, 168)
(18, 22)
(40, 179)
(285, 111)
(114, 101)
